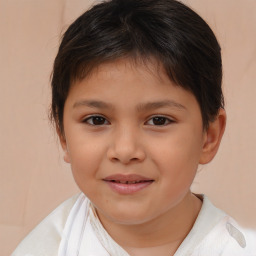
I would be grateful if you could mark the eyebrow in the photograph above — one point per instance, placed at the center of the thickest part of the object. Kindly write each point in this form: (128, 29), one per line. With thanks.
(160, 104)
(140, 108)
(93, 104)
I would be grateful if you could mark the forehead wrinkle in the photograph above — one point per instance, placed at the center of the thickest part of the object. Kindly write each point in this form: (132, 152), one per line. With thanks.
(160, 104)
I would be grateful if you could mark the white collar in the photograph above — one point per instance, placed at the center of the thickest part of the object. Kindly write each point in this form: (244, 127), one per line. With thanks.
(207, 218)
(84, 234)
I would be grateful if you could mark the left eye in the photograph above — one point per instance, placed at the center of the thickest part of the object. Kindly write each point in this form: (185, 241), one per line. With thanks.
(159, 121)
(96, 120)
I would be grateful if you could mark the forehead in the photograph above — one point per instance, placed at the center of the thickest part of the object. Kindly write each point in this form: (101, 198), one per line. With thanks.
(127, 74)
(125, 83)
(140, 65)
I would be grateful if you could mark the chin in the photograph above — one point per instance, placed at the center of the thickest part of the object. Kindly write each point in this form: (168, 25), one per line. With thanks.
(140, 218)
(129, 217)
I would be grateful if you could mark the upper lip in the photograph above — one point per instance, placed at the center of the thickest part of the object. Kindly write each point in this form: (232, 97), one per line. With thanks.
(128, 177)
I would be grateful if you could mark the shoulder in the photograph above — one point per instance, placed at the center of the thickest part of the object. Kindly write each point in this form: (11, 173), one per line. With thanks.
(216, 233)
(226, 237)
(48, 232)
(229, 238)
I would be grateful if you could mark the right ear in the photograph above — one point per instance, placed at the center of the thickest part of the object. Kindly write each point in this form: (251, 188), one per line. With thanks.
(64, 145)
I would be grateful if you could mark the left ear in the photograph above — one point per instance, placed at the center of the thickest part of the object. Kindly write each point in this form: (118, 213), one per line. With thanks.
(212, 137)
(63, 144)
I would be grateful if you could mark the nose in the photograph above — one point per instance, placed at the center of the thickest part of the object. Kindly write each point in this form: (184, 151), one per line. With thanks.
(126, 146)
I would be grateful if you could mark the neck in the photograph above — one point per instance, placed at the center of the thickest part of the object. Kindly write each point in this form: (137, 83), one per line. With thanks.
(164, 233)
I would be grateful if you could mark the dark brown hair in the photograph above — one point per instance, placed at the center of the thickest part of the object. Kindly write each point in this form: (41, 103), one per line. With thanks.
(165, 30)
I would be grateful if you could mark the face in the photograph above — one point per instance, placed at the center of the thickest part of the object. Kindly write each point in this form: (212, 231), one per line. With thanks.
(133, 139)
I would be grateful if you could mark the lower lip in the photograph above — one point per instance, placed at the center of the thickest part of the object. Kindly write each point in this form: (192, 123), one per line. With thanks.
(127, 189)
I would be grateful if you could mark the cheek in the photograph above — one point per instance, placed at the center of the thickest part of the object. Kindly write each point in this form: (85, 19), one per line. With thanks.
(85, 159)
(179, 149)
(177, 157)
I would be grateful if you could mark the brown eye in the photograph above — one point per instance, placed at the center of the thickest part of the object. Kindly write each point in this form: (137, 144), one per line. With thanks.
(96, 120)
(159, 121)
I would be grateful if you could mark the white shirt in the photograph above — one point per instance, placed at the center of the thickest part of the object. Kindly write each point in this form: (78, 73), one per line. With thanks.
(73, 229)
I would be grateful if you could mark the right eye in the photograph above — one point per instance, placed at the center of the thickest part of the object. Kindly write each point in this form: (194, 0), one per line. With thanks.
(96, 120)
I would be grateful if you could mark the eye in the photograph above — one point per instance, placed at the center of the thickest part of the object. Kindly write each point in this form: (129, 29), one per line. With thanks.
(159, 121)
(96, 120)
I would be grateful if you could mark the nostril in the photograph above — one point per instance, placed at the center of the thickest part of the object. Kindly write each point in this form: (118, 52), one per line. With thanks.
(114, 159)
(125, 161)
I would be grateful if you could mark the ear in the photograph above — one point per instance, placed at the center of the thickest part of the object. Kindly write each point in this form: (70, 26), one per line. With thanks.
(63, 144)
(212, 137)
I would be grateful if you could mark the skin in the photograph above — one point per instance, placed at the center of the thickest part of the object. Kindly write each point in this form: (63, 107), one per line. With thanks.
(128, 139)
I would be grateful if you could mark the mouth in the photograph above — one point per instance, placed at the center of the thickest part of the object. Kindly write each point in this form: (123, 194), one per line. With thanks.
(127, 184)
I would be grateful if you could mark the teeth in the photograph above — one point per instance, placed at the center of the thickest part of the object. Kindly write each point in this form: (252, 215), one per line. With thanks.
(127, 182)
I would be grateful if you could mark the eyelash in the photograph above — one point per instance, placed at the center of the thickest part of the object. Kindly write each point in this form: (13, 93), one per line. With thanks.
(92, 117)
(165, 119)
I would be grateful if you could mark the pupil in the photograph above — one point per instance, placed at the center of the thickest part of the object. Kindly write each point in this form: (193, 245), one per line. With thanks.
(98, 120)
(159, 120)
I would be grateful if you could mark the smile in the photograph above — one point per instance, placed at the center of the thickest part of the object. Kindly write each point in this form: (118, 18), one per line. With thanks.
(127, 184)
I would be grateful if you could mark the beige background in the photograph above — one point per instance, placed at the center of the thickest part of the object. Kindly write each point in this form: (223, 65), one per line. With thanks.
(34, 179)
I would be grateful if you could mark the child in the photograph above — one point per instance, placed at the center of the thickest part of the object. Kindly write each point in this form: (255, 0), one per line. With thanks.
(138, 105)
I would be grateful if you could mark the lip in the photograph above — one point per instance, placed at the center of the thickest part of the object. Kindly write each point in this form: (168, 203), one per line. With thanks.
(127, 184)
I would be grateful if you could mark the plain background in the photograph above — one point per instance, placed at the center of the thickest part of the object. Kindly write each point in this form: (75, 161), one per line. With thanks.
(34, 179)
